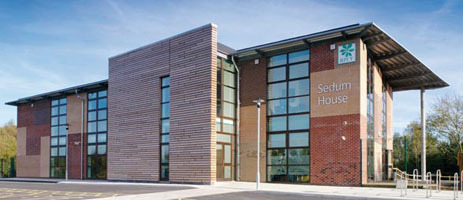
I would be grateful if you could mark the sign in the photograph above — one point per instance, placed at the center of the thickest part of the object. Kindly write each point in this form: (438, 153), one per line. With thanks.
(326, 90)
(346, 53)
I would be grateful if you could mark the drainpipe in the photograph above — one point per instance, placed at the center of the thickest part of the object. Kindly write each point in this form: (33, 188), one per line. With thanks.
(237, 120)
(81, 133)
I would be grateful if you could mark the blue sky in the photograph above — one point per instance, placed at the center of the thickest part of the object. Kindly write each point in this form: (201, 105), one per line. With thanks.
(49, 45)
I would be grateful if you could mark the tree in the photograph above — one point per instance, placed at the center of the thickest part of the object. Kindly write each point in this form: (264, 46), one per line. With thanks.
(446, 123)
(7, 147)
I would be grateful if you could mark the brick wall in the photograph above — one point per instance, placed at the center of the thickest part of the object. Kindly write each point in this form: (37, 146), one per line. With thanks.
(134, 108)
(33, 126)
(335, 161)
(253, 85)
(321, 58)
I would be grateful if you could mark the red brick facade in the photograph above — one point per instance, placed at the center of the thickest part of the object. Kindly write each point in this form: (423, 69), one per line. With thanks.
(321, 58)
(335, 150)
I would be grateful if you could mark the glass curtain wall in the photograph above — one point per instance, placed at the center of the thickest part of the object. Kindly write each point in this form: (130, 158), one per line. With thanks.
(370, 123)
(97, 134)
(225, 121)
(288, 115)
(58, 138)
(165, 127)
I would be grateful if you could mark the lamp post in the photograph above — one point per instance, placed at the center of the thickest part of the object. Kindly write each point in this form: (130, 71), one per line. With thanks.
(258, 102)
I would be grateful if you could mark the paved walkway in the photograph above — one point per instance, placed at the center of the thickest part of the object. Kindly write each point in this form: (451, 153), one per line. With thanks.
(305, 192)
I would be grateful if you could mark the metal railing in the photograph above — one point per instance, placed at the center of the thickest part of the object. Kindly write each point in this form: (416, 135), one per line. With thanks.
(438, 180)
(455, 186)
(428, 184)
(415, 179)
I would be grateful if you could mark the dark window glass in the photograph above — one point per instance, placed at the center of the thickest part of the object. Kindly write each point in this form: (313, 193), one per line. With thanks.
(165, 95)
(276, 173)
(298, 173)
(299, 87)
(102, 103)
(276, 107)
(299, 56)
(228, 110)
(297, 122)
(165, 112)
(165, 154)
(277, 123)
(92, 95)
(91, 128)
(92, 105)
(276, 74)
(277, 140)
(92, 116)
(298, 156)
(276, 157)
(299, 139)
(229, 94)
(228, 65)
(276, 90)
(298, 104)
(165, 126)
(277, 60)
(102, 114)
(229, 79)
(165, 81)
(165, 139)
(102, 126)
(299, 70)
(103, 93)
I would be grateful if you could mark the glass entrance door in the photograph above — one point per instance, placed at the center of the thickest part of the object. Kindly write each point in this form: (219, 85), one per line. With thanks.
(224, 162)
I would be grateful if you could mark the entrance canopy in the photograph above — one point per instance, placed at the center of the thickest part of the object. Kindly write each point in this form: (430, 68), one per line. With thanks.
(400, 68)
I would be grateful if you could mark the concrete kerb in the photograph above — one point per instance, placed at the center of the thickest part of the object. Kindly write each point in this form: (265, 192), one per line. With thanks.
(31, 180)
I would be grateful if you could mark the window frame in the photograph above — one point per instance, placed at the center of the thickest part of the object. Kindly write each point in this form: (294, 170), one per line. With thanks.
(56, 165)
(287, 148)
(97, 167)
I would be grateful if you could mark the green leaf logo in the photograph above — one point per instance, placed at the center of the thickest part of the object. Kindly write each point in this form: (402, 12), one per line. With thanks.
(347, 50)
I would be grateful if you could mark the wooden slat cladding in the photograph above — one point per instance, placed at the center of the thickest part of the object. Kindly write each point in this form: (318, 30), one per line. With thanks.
(134, 109)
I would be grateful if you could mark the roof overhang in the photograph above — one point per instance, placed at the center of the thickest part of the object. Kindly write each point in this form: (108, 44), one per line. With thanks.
(60, 93)
(400, 68)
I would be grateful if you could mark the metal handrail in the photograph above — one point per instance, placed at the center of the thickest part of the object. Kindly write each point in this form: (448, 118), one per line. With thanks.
(438, 180)
(428, 184)
(455, 186)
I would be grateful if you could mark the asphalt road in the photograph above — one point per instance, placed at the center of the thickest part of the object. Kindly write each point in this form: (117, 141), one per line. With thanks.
(25, 190)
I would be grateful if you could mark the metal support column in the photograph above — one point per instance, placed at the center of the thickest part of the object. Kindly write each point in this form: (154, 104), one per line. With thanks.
(423, 135)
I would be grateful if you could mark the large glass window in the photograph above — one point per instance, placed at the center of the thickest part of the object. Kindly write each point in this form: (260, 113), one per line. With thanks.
(97, 127)
(370, 122)
(165, 127)
(225, 121)
(288, 117)
(58, 138)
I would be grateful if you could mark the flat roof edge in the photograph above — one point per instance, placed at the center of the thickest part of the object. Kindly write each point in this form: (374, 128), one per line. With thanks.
(163, 40)
(18, 101)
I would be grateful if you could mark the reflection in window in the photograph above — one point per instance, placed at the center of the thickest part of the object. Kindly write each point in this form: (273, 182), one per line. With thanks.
(165, 127)
(288, 115)
(97, 134)
(58, 138)
(225, 121)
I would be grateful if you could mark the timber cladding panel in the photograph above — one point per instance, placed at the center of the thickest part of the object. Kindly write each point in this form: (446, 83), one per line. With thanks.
(134, 108)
